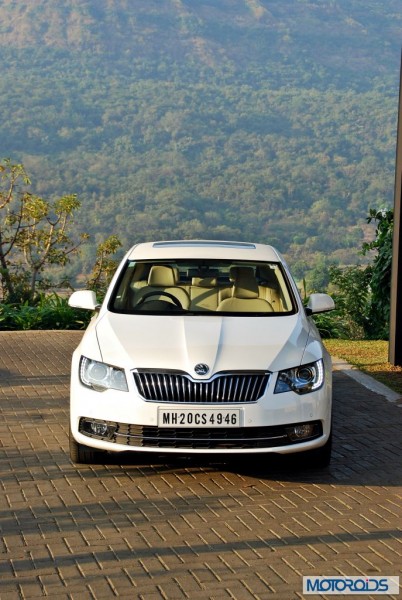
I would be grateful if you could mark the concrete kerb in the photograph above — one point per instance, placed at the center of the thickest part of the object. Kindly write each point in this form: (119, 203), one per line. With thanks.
(367, 381)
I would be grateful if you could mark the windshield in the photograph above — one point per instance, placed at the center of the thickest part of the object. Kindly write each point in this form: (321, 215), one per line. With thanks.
(203, 287)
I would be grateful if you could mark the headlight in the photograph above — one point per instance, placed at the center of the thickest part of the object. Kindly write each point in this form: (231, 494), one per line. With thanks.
(303, 379)
(101, 376)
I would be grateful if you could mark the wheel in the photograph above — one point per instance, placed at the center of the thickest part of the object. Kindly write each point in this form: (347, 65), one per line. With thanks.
(81, 454)
(319, 458)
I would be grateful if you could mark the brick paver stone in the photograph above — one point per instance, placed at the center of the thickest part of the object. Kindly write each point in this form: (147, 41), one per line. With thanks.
(172, 529)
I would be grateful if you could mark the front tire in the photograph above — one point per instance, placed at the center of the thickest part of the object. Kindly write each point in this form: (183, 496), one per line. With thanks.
(81, 454)
(319, 458)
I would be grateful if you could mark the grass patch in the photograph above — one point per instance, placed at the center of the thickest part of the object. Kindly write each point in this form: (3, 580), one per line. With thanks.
(370, 357)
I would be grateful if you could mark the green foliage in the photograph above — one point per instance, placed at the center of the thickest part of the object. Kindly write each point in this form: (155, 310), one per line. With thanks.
(104, 266)
(362, 294)
(319, 274)
(34, 237)
(380, 280)
(34, 233)
(351, 293)
(49, 312)
(12, 176)
(332, 325)
(250, 120)
(43, 238)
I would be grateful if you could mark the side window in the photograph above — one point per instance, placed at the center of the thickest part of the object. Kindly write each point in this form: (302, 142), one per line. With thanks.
(286, 300)
(121, 297)
(273, 288)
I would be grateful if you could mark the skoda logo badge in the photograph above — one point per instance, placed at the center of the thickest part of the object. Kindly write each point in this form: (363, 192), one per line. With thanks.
(201, 369)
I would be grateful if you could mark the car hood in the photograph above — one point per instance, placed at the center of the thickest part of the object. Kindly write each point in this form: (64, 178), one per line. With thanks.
(221, 342)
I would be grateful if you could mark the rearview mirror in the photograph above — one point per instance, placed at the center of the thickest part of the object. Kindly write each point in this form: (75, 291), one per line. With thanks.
(84, 299)
(319, 303)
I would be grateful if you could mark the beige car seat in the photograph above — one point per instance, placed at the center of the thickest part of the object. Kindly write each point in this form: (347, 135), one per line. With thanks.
(163, 278)
(269, 288)
(245, 294)
(204, 293)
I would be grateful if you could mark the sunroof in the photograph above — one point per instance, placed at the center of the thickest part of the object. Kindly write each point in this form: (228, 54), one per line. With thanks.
(204, 244)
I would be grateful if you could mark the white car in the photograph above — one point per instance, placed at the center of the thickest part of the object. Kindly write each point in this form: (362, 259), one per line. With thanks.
(201, 347)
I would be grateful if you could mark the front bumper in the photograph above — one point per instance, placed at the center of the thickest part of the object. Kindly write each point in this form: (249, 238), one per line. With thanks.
(125, 422)
(187, 438)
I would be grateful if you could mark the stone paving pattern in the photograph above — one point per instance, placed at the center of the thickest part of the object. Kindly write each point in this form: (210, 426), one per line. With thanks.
(171, 528)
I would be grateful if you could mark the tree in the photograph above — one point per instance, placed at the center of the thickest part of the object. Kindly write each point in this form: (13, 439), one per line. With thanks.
(43, 238)
(362, 294)
(352, 300)
(104, 266)
(380, 280)
(34, 233)
(10, 219)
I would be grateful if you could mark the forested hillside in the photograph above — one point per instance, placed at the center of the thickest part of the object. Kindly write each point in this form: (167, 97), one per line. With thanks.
(265, 120)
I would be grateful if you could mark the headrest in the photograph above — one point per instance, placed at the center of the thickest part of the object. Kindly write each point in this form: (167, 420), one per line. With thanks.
(205, 282)
(268, 276)
(245, 285)
(160, 276)
(176, 274)
(235, 272)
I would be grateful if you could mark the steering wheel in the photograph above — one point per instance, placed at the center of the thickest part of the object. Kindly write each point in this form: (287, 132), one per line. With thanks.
(175, 300)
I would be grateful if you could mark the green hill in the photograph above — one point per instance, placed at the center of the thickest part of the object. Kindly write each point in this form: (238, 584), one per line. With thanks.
(266, 120)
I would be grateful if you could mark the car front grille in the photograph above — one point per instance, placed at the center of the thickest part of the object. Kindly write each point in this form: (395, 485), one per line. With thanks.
(149, 436)
(169, 386)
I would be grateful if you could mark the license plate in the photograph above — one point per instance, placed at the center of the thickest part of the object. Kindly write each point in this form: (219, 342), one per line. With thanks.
(198, 418)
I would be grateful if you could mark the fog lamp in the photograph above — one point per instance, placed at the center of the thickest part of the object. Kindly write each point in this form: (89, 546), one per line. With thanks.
(99, 428)
(300, 432)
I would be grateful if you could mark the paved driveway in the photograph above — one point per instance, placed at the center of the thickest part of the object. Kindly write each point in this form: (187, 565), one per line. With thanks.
(172, 530)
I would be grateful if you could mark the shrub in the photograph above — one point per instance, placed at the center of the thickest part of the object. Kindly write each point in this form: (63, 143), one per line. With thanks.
(49, 312)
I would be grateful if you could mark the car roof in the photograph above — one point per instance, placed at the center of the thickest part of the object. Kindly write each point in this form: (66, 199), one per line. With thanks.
(183, 249)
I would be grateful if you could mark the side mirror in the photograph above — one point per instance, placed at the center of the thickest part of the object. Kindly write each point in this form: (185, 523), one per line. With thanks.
(84, 299)
(319, 303)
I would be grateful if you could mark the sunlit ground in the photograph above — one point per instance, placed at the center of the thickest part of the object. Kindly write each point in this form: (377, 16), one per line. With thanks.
(370, 357)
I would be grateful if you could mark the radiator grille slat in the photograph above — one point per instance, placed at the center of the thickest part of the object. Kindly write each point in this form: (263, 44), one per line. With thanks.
(180, 387)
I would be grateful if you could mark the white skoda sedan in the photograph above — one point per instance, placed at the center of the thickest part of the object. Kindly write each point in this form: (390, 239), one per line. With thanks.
(201, 347)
